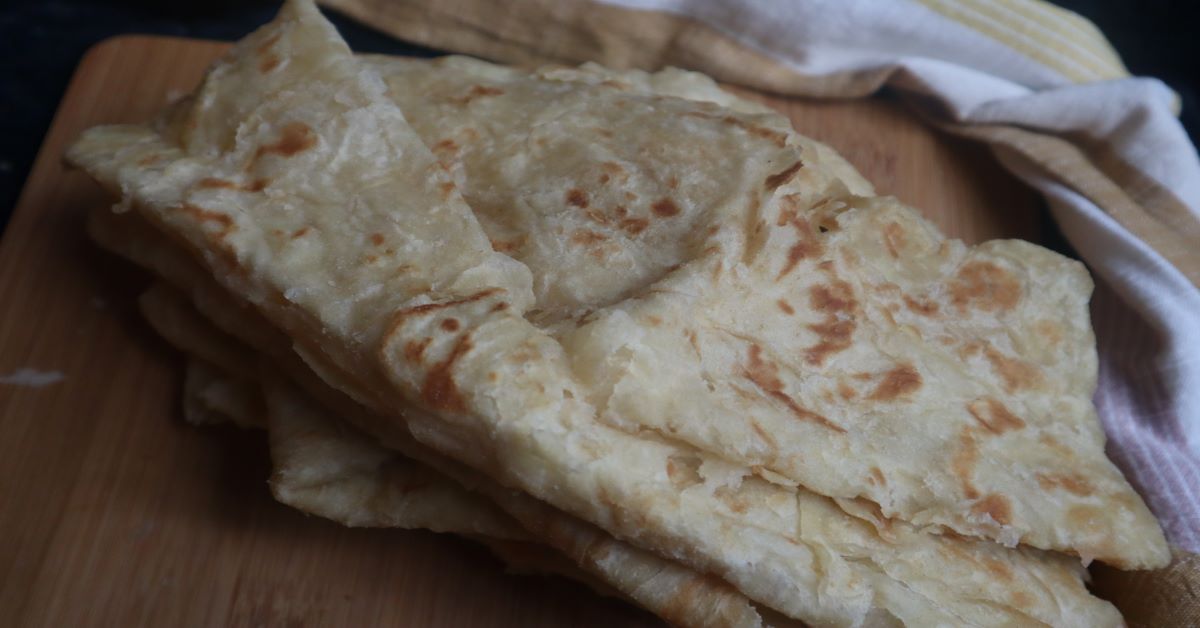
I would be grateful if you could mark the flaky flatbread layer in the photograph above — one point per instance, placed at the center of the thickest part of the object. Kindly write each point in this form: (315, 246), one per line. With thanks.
(306, 192)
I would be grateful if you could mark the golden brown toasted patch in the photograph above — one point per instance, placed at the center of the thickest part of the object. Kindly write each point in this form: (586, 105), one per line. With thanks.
(765, 375)
(1017, 374)
(898, 382)
(665, 208)
(439, 391)
(984, 286)
(836, 300)
(783, 176)
(1072, 483)
(995, 506)
(295, 138)
(922, 307)
(577, 197)
(994, 416)
(414, 349)
(963, 464)
(207, 215)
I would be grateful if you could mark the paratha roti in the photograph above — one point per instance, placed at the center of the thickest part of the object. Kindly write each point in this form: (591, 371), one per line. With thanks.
(673, 373)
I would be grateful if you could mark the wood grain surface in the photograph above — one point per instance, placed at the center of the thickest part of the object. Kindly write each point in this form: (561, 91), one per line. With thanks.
(115, 513)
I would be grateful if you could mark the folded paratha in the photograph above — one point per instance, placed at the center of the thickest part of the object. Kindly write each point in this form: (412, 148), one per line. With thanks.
(306, 192)
(327, 468)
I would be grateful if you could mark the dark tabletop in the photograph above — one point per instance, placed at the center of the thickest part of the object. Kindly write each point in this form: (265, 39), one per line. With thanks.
(41, 43)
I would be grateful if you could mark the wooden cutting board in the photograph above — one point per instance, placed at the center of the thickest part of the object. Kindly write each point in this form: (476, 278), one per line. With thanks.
(115, 513)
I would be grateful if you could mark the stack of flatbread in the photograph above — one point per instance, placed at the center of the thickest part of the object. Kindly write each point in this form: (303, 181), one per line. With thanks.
(621, 326)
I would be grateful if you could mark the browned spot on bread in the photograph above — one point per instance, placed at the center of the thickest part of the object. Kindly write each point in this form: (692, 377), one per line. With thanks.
(478, 91)
(270, 41)
(150, 160)
(775, 137)
(207, 215)
(433, 307)
(765, 375)
(995, 506)
(447, 188)
(808, 241)
(1072, 483)
(1017, 374)
(994, 416)
(998, 568)
(898, 382)
(691, 336)
(764, 435)
(301, 232)
(1055, 444)
(587, 237)
(268, 62)
(963, 463)
(414, 349)
(211, 183)
(604, 178)
(492, 376)
(654, 321)
(257, 185)
(665, 207)
(577, 197)
(984, 286)
(439, 391)
(922, 307)
(1049, 330)
(894, 238)
(783, 176)
(845, 391)
(499, 307)
(877, 475)
(786, 307)
(450, 324)
(633, 226)
(376, 238)
(294, 138)
(447, 145)
(836, 301)
(508, 246)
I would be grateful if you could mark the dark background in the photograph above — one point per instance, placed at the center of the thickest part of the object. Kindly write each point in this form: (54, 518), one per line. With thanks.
(41, 42)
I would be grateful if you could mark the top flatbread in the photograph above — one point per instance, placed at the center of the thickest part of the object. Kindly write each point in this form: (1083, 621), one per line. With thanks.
(839, 342)
(306, 192)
